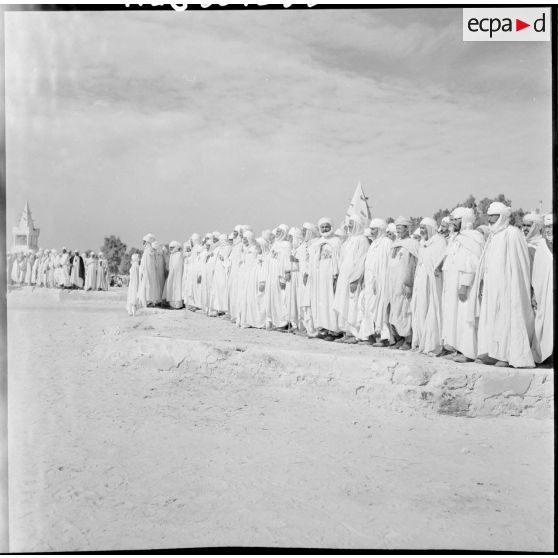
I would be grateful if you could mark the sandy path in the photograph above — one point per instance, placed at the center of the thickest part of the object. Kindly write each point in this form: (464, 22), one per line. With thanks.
(113, 455)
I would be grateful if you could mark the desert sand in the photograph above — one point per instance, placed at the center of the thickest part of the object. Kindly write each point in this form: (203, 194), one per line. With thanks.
(109, 449)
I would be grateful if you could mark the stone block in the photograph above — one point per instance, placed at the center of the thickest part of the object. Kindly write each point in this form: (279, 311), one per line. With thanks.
(496, 384)
(414, 375)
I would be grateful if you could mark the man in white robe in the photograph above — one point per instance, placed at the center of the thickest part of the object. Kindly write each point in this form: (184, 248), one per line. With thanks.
(150, 288)
(324, 268)
(401, 274)
(302, 255)
(444, 228)
(426, 311)
(102, 273)
(502, 294)
(541, 285)
(197, 254)
(279, 264)
(458, 268)
(349, 282)
(219, 287)
(292, 294)
(172, 291)
(234, 262)
(374, 325)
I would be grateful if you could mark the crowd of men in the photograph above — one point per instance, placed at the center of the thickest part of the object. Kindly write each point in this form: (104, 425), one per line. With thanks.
(451, 290)
(53, 270)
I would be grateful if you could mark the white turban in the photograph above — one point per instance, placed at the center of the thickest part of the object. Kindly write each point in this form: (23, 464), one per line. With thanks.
(446, 220)
(249, 236)
(498, 208)
(174, 244)
(367, 232)
(530, 218)
(308, 226)
(237, 228)
(155, 245)
(378, 224)
(246, 227)
(429, 222)
(548, 219)
(135, 257)
(463, 212)
(391, 228)
(325, 220)
(149, 238)
(417, 232)
(403, 221)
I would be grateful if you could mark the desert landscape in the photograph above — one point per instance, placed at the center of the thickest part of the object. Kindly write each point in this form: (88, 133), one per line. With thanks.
(171, 429)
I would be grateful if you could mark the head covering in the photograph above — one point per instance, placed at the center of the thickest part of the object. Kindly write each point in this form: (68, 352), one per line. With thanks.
(100, 254)
(249, 236)
(174, 244)
(266, 235)
(263, 244)
(467, 216)
(149, 238)
(391, 228)
(135, 257)
(548, 219)
(417, 232)
(237, 228)
(297, 235)
(310, 231)
(246, 228)
(536, 222)
(283, 229)
(405, 221)
(155, 245)
(377, 223)
(431, 226)
(195, 239)
(231, 236)
(504, 211)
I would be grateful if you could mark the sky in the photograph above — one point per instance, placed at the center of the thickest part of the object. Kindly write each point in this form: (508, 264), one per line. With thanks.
(172, 123)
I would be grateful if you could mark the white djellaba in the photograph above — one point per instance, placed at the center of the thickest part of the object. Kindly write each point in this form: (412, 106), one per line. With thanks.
(401, 273)
(219, 302)
(252, 299)
(304, 288)
(374, 296)
(90, 273)
(459, 266)
(426, 302)
(292, 277)
(324, 269)
(150, 288)
(186, 268)
(198, 254)
(172, 291)
(349, 282)
(277, 312)
(132, 300)
(502, 294)
(542, 286)
(234, 259)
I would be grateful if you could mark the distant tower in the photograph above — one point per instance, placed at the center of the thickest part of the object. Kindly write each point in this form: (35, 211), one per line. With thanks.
(25, 236)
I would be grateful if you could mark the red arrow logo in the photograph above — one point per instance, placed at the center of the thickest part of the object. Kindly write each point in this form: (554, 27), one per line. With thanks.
(519, 25)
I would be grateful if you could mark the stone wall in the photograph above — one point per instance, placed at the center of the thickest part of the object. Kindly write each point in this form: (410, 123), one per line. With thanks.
(396, 380)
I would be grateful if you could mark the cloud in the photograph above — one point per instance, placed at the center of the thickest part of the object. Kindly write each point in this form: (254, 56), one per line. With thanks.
(181, 122)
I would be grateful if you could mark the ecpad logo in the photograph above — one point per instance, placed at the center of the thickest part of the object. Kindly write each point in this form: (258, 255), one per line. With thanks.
(506, 24)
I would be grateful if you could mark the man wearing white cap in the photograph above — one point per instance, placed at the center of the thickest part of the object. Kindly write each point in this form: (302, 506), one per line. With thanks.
(401, 274)
(459, 266)
(150, 288)
(426, 304)
(194, 280)
(292, 293)
(324, 265)
(349, 282)
(541, 285)
(502, 294)
(172, 291)
(374, 298)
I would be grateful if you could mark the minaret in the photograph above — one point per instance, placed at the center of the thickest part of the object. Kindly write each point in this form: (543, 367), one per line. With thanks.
(25, 236)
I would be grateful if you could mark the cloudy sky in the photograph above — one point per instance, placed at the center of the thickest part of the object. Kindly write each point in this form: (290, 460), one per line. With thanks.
(174, 122)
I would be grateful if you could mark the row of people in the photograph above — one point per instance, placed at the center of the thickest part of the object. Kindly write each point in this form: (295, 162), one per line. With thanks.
(459, 292)
(65, 270)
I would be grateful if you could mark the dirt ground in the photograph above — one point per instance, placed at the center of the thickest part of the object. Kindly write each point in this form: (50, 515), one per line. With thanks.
(109, 454)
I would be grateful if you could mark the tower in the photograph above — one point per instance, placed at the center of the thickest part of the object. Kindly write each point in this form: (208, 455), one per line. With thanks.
(25, 236)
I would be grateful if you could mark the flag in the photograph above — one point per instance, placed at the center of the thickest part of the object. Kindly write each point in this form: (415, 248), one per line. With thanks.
(359, 207)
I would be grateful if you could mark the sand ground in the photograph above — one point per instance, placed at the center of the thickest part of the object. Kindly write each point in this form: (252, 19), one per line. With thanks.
(109, 454)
